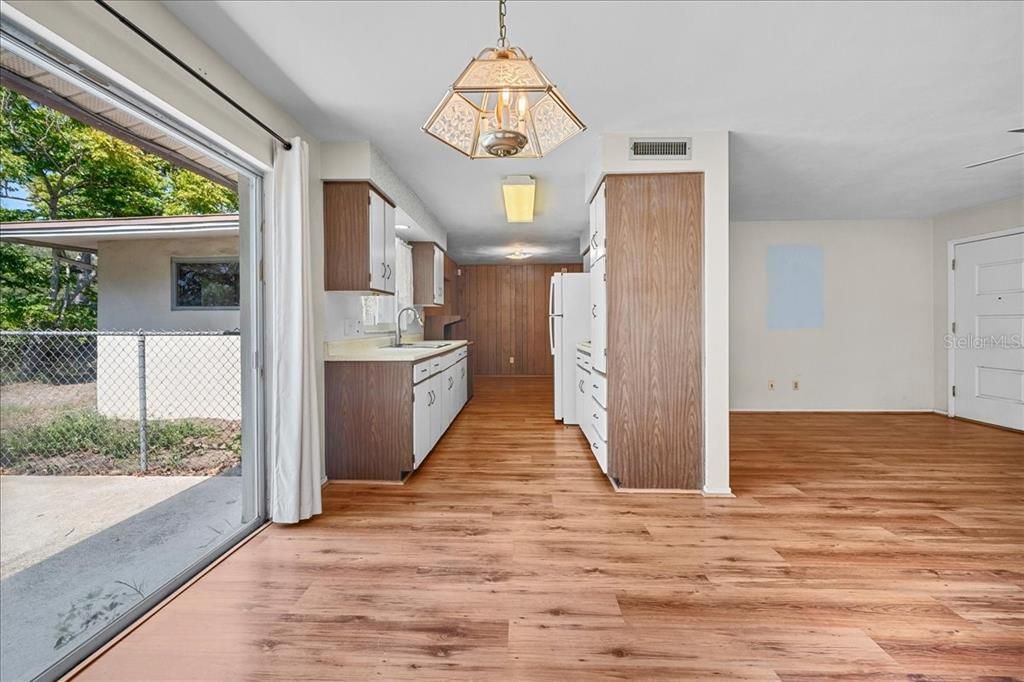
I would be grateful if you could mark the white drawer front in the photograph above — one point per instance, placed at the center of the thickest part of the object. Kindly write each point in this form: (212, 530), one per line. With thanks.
(599, 388)
(583, 360)
(600, 417)
(420, 372)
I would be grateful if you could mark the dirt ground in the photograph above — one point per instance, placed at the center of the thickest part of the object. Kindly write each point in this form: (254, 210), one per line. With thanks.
(31, 403)
(24, 405)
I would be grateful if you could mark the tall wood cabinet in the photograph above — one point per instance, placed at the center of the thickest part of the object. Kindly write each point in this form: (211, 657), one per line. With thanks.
(359, 239)
(647, 257)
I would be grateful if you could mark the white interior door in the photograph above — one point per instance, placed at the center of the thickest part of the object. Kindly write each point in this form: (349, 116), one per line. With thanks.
(988, 311)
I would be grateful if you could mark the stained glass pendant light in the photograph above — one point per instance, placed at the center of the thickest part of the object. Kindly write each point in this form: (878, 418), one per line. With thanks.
(502, 105)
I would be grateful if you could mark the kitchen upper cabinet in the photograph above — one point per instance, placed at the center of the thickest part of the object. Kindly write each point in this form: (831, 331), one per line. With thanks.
(438, 276)
(598, 316)
(428, 262)
(598, 238)
(359, 239)
(390, 254)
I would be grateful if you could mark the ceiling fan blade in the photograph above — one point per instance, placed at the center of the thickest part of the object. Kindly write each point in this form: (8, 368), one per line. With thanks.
(998, 158)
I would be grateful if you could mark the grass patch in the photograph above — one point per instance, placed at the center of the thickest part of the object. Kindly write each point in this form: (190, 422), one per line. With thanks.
(101, 444)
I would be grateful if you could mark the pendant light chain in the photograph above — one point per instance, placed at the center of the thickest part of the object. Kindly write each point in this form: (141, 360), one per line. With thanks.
(502, 39)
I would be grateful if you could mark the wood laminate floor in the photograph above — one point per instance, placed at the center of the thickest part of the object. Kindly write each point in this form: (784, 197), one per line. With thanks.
(858, 547)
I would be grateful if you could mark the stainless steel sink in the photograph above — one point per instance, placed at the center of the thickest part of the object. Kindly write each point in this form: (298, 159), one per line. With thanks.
(421, 344)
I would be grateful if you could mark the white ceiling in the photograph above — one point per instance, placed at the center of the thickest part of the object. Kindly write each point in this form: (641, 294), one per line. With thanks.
(839, 111)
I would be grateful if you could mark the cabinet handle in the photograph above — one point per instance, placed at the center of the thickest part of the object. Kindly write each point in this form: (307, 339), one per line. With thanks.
(384, 270)
(593, 310)
(451, 382)
(431, 394)
(595, 415)
(581, 385)
(387, 270)
(595, 385)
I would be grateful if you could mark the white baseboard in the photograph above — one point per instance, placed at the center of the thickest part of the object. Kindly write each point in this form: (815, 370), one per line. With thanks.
(852, 410)
(717, 492)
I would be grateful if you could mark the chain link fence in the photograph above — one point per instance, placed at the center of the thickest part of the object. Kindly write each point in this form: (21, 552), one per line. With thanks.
(102, 403)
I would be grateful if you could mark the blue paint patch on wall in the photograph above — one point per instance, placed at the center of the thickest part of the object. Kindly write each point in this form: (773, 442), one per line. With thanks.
(796, 287)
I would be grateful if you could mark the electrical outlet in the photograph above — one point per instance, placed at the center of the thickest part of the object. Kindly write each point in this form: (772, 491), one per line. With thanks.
(353, 327)
(511, 360)
(796, 385)
(771, 385)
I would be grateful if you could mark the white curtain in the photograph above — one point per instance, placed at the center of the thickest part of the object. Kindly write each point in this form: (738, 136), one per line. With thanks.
(293, 433)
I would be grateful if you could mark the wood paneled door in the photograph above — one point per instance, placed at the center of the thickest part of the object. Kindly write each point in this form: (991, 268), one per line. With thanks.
(505, 308)
(655, 255)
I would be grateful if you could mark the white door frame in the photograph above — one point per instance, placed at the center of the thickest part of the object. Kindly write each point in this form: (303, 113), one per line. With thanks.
(951, 308)
(26, 37)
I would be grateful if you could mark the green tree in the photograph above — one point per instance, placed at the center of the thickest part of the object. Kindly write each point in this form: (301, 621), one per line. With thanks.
(54, 167)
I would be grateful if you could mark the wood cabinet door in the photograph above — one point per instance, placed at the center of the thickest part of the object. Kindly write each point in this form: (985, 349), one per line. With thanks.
(422, 435)
(389, 248)
(378, 265)
(598, 316)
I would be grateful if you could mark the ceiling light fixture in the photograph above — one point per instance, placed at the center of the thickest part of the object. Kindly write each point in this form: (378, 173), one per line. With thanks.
(503, 105)
(401, 227)
(519, 192)
(519, 255)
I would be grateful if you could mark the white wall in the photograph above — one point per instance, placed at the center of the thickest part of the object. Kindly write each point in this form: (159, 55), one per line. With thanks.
(875, 349)
(710, 155)
(187, 377)
(135, 284)
(1001, 215)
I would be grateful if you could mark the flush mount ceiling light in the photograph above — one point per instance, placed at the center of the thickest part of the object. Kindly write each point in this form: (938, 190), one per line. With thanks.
(503, 105)
(519, 255)
(401, 227)
(519, 191)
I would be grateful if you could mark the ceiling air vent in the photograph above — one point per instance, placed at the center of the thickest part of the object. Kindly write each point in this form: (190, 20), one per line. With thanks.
(660, 148)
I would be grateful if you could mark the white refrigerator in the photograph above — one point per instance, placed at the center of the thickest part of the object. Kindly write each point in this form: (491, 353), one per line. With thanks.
(568, 325)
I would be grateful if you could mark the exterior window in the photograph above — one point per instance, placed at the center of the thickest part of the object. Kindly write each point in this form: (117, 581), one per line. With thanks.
(210, 283)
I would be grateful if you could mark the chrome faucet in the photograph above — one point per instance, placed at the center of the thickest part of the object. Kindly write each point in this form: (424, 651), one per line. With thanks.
(398, 325)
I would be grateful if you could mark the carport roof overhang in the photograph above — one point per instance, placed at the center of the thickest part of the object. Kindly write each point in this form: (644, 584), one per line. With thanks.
(85, 235)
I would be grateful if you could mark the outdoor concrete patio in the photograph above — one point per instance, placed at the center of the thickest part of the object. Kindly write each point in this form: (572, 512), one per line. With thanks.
(80, 551)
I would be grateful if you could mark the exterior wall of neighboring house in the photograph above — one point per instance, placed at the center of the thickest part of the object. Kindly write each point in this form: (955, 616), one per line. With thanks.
(186, 376)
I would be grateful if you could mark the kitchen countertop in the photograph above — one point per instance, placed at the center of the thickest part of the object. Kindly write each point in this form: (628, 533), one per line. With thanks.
(347, 351)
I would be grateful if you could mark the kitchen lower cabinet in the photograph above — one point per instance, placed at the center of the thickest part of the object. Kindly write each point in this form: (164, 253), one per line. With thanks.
(383, 418)
(424, 434)
(598, 316)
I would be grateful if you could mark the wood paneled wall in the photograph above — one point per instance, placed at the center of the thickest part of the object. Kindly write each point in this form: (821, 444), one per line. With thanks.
(505, 308)
(655, 237)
